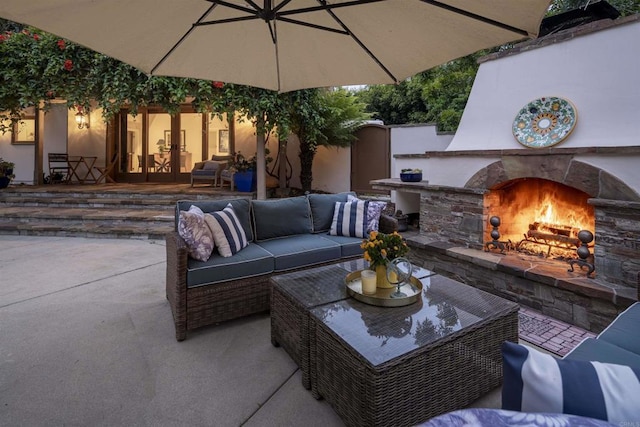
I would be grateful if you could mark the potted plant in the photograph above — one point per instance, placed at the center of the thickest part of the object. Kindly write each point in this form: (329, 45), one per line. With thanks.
(411, 175)
(6, 172)
(243, 171)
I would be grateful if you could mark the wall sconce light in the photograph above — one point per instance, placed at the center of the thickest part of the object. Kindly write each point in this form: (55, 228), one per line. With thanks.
(82, 119)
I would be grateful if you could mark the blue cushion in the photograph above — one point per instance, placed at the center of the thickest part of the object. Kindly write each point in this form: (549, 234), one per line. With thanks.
(251, 261)
(624, 326)
(242, 208)
(210, 165)
(598, 350)
(322, 207)
(300, 251)
(538, 382)
(204, 172)
(349, 246)
(281, 217)
(350, 219)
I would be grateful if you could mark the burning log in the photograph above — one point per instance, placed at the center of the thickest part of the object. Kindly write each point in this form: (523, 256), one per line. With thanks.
(559, 239)
(551, 235)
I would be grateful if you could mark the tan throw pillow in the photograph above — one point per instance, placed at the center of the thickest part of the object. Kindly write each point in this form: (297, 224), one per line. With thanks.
(227, 231)
(196, 233)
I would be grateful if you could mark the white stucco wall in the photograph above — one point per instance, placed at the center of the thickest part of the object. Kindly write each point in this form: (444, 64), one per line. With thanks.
(597, 72)
(332, 169)
(21, 155)
(87, 142)
(413, 139)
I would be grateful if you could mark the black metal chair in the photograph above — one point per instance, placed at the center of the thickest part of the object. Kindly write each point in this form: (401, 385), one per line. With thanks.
(59, 169)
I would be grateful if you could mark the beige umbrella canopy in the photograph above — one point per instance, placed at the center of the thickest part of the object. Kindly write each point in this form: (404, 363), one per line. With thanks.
(288, 44)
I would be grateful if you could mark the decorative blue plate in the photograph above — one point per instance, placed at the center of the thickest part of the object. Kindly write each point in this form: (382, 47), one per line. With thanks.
(544, 122)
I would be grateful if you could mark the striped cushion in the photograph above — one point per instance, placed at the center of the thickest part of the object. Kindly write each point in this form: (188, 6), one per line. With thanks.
(350, 219)
(538, 382)
(373, 212)
(228, 234)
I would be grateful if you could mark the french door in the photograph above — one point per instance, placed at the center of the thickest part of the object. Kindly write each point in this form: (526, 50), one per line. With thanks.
(158, 147)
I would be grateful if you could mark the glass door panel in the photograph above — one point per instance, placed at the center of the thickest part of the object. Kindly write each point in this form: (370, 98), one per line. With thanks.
(159, 147)
(190, 144)
(134, 145)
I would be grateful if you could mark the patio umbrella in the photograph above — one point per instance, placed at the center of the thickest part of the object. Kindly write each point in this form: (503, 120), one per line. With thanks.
(287, 44)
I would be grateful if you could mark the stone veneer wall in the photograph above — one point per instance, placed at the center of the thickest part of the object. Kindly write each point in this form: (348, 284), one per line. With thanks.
(456, 215)
(617, 241)
(546, 287)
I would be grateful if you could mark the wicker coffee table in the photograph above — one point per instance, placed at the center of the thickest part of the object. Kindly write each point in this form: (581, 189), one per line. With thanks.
(380, 366)
(293, 295)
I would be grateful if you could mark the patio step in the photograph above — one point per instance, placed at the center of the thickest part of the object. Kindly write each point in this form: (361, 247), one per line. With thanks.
(87, 222)
(118, 211)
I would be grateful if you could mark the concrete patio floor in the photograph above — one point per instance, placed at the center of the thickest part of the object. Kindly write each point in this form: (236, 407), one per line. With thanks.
(86, 338)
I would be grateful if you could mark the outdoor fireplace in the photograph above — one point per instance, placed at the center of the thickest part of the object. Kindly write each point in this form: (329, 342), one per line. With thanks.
(544, 200)
(539, 217)
(504, 161)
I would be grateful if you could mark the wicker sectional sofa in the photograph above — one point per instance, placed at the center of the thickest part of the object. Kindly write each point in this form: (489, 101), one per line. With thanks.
(284, 235)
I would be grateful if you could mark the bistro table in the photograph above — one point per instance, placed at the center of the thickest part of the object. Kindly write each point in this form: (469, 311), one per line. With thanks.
(81, 175)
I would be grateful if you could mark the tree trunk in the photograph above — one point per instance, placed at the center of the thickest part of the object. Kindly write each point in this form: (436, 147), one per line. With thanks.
(307, 153)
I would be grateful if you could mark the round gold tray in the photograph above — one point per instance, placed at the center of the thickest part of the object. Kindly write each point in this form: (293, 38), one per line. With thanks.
(382, 297)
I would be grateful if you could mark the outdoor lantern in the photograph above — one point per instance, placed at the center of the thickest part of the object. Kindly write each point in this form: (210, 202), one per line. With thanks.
(82, 120)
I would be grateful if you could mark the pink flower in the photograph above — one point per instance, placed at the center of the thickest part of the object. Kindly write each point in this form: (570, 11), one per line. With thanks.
(61, 44)
(218, 85)
(36, 37)
(68, 64)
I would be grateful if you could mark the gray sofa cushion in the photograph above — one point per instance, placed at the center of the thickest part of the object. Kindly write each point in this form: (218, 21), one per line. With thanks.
(622, 328)
(208, 173)
(322, 207)
(251, 261)
(281, 217)
(242, 208)
(349, 246)
(301, 250)
(597, 350)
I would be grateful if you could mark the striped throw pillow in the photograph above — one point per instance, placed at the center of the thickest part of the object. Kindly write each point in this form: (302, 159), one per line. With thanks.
(350, 219)
(228, 234)
(373, 212)
(538, 382)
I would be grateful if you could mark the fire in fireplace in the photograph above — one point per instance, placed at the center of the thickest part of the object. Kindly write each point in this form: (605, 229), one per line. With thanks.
(540, 217)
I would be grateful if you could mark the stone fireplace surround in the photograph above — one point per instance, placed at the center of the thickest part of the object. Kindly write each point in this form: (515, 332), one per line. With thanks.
(454, 225)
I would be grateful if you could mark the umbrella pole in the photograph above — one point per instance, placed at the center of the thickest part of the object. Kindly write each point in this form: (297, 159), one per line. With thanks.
(261, 182)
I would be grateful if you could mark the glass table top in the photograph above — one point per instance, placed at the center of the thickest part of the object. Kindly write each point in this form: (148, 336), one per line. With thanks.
(381, 334)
